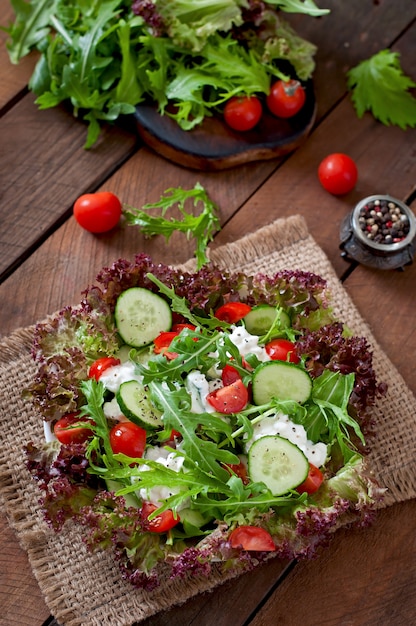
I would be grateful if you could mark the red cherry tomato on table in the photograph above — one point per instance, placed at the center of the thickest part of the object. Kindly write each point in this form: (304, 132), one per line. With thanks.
(252, 538)
(97, 212)
(282, 350)
(100, 365)
(129, 439)
(286, 98)
(230, 399)
(313, 480)
(232, 312)
(243, 113)
(159, 524)
(66, 432)
(338, 174)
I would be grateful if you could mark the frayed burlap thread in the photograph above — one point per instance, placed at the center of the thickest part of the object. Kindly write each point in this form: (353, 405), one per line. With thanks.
(77, 591)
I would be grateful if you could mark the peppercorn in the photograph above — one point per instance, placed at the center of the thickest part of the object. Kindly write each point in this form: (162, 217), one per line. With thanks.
(383, 222)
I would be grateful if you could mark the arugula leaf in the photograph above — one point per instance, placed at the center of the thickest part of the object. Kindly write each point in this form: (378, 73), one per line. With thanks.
(32, 26)
(205, 454)
(201, 227)
(379, 85)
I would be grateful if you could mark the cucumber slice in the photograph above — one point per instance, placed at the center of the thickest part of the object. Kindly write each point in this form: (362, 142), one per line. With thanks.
(277, 463)
(280, 380)
(115, 485)
(135, 405)
(262, 317)
(141, 315)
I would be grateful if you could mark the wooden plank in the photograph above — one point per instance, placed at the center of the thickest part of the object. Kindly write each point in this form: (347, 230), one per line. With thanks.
(43, 168)
(367, 577)
(21, 601)
(386, 162)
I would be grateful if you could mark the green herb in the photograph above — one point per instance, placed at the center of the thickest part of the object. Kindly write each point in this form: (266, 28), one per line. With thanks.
(380, 86)
(201, 227)
(105, 60)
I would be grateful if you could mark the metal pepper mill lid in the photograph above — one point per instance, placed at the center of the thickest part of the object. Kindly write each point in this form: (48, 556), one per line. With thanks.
(379, 232)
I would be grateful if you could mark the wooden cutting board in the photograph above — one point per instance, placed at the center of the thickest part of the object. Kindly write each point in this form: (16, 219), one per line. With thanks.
(214, 146)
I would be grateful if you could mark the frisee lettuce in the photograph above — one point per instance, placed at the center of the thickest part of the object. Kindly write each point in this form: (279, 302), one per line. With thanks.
(201, 227)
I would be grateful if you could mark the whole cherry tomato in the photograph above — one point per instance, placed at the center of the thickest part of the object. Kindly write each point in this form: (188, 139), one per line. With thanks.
(313, 480)
(100, 365)
(232, 312)
(243, 113)
(282, 350)
(66, 430)
(338, 173)
(159, 524)
(252, 538)
(97, 212)
(286, 98)
(129, 439)
(230, 399)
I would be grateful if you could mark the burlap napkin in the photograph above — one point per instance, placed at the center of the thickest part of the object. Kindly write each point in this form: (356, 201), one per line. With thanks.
(83, 589)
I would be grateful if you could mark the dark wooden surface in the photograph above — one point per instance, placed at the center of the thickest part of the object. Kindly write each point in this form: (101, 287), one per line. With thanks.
(366, 576)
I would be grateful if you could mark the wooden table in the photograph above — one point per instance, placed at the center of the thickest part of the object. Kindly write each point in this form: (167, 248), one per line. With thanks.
(366, 577)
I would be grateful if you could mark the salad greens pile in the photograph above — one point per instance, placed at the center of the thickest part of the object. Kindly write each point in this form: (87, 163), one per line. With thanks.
(106, 57)
(102, 490)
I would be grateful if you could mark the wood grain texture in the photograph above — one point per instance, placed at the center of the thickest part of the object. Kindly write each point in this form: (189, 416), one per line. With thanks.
(362, 580)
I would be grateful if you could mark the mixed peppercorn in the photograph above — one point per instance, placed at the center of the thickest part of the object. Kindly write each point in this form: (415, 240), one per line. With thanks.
(383, 222)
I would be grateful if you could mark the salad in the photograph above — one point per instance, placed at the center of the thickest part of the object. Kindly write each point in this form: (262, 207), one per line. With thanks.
(198, 419)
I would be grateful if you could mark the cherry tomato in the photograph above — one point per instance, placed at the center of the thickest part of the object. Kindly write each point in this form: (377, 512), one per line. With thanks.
(286, 98)
(97, 212)
(243, 113)
(159, 524)
(100, 365)
(240, 470)
(252, 538)
(129, 439)
(338, 174)
(179, 327)
(229, 375)
(232, 312)
(163, 341)
(66, 435)
(282, 350)
(313, 480)
(229, 399)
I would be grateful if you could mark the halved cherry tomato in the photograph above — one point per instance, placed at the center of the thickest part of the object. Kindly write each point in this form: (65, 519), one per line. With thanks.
(313, 480)
(243, 112)
(252, 538)
(282, 350)
(65, 434)
(129, 439)
(100, 365)
(229, 375)
(159, 524)
(286, 98)
(179, 327)
(229, 399)
(232, 312)
(239, 470)
(98, 212)
(338, 174)
(163, 341)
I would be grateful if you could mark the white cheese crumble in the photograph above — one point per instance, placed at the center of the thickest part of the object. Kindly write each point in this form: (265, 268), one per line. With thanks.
(113, 377)
(173, 461)
(281, 425)
(248, 344)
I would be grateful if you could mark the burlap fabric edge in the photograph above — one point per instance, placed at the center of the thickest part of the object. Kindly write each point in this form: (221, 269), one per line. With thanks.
(73, 581)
